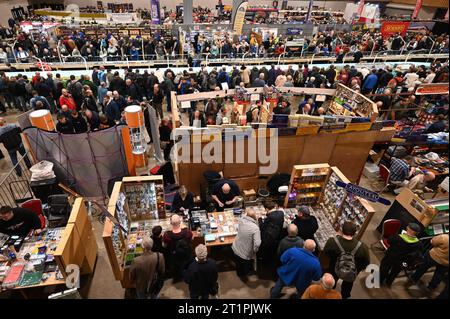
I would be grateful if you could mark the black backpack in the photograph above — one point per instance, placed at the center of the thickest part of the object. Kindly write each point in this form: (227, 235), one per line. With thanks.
(181, 248)
(345, 267)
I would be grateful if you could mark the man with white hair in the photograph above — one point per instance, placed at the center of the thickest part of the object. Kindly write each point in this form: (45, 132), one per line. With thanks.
(144, 269)
(201, 275)
(299, 268)
(246, 243)
(324, 290)
(178, 243)
(259, 82)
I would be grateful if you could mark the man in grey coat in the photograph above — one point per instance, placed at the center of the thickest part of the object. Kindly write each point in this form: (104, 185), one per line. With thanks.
(247, 243)
(291, 240)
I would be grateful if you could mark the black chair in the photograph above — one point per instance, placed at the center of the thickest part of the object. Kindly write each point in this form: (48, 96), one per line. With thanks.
(58, 211)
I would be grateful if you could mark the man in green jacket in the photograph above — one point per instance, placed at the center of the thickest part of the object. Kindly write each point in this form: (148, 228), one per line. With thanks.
(402, 248)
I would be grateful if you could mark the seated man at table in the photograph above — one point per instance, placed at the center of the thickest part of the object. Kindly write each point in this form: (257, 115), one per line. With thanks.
(18, 221)
(183, 201)
(225, 194)
(401, 171)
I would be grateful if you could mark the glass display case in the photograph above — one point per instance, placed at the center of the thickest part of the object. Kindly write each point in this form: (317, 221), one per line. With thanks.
(315, 186)
(138, 204)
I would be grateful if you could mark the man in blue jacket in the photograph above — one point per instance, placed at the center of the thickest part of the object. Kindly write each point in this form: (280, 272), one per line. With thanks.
(299, 267)
(370, 83)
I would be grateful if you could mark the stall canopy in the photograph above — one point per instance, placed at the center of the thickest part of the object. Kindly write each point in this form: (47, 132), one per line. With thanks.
(86, 161)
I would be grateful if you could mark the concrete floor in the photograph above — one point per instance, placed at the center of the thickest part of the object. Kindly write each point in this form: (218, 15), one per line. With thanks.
(102, 285)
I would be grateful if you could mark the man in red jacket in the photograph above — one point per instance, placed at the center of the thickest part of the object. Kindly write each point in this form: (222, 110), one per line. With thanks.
(67, 99)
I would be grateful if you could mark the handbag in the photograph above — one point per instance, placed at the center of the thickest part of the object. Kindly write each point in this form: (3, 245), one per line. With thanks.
(157, 282)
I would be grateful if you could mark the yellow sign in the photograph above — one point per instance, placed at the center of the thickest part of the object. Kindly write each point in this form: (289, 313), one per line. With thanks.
(239, 18)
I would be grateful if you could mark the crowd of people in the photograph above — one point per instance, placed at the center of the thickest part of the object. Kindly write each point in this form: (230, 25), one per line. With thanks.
(19, 47)
(103, 95)
(287, 251)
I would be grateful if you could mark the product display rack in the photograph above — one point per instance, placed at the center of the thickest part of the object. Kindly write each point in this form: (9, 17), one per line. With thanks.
(315, 186)
(138, 204)
(307, 184)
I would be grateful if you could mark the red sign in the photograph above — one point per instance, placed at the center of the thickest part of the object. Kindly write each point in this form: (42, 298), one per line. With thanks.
(432, 89)
(416, 9)
(389, 28)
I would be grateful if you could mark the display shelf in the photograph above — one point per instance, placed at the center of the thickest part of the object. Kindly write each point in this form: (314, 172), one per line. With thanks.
(334, 196)
(138, 204)
(306, 185)
(326, 229)
(358, 210)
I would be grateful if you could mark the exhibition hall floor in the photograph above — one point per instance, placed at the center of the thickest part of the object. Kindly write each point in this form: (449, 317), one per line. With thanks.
(103, 284)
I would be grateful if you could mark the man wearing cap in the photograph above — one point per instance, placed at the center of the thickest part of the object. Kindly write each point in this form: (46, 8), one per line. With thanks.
(201, 275)
(402, 248)
(306, 224)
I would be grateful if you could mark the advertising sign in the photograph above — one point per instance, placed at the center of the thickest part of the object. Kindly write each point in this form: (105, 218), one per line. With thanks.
(155, 12)
(389, 28)
(363, 193)
(239, 18)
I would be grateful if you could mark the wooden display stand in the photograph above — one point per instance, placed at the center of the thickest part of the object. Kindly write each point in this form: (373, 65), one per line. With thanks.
(78, 244)
(351, 103)
(420, 209)
(114, 237)
(433, 214)
(321, 175)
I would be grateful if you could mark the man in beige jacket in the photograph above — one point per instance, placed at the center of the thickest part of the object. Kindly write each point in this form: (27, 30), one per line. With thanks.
(437, 256)
(144, 268)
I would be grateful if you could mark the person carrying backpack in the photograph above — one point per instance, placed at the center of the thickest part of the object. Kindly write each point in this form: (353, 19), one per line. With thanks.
(347, 256)
(178, 243)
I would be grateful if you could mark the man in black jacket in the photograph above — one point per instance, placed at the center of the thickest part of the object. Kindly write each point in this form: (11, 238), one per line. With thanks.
(306, 224)
(201, 275)
(402, 248)
(78, 122)
(271, 228)
(132, 90)
(64, 124)
(11, 139)
(335, 246)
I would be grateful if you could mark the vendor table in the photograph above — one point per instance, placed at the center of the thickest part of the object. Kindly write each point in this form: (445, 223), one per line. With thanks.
(226, 229)
(73, 244)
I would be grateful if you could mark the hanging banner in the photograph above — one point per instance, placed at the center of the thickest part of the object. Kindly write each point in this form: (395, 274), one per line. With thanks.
(417, 9)
(308, 15)
(389, 28)
(363, 193)
(155, 12)
(122, 17)
(239, 18)
(360, 7)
